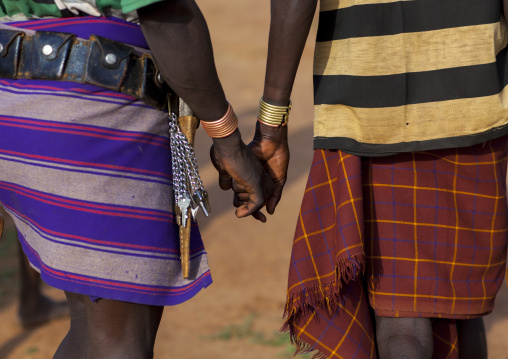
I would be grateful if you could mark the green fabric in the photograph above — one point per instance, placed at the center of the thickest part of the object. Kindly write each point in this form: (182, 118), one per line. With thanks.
(12, 7)
(104, 4)
(130, 5)
(41, 9)
(47, 8)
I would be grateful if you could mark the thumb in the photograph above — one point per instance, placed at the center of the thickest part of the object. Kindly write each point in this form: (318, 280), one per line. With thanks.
(246, 209)
(274, 199)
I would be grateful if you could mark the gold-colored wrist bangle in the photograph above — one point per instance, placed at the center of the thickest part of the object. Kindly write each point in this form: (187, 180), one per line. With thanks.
(273, 115)
(223, 127)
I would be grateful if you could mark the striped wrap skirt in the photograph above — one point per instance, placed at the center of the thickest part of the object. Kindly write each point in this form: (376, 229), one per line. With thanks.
(85, 174)
(420, 234)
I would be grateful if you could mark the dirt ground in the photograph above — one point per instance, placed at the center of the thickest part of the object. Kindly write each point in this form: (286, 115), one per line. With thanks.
(240, 314)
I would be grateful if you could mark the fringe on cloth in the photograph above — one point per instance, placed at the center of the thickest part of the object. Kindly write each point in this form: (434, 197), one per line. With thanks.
(326, 297)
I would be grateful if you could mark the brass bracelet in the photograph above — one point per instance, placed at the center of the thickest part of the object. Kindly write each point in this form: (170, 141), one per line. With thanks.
(223, 127)
(272, 115)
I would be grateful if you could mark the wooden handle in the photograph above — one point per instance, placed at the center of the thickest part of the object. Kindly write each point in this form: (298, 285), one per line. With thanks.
(185, 246)
(188, 126)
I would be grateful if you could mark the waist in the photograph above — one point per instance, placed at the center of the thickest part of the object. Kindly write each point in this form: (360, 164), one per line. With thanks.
(30, 51)
(84, 26)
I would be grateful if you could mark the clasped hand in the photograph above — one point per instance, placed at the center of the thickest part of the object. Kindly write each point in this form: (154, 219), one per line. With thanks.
(257, 173)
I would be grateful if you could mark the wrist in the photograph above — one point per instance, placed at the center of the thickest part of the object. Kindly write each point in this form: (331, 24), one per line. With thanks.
(224, 126)
(271, 133)
(230, 143)
(273, 115)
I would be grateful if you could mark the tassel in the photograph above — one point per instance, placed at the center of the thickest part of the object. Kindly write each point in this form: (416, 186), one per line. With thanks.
(325, 296)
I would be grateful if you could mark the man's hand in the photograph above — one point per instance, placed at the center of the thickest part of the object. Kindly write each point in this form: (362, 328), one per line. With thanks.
(240, 170)
(270, 145)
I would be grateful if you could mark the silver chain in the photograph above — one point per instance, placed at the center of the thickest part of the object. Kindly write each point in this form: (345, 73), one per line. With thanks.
(186, 180)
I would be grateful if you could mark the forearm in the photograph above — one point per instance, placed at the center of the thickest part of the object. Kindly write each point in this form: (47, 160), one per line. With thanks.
(178, 37)
(289, 29)
(505, 8)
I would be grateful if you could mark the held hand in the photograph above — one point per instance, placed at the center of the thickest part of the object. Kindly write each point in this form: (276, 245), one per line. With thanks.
(270, 145)
(240, 170)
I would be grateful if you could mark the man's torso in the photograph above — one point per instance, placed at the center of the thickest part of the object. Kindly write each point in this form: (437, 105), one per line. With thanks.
(396, 75)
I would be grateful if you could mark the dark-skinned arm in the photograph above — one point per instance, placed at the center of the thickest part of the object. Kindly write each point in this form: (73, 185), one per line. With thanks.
(178, 37)
(289, 28)
(505, 8)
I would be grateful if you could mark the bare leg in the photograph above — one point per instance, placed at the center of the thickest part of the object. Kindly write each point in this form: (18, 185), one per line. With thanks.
(34, 307)
(404, 338)
(472, 339)
(75, 343)
(115, 330)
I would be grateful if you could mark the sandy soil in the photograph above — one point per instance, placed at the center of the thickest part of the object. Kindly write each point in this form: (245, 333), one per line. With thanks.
(240, 314)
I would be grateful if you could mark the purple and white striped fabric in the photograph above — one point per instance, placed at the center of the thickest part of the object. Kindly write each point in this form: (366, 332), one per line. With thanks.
(86, 175)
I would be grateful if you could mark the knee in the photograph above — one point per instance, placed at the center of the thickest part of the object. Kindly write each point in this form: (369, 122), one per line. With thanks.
(404, 338)
(403, 346)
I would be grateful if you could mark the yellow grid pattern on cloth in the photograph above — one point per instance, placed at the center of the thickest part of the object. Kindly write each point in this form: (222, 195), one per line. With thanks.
(442, 217)
(393, 208)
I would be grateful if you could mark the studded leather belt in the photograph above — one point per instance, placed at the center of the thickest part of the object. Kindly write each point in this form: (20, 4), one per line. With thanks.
(97, 61)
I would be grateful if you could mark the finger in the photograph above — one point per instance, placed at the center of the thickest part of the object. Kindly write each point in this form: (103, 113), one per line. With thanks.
(250, 207)
(256, 198)
(243, 211)
(274, 199)
(237, 187)
(237, 202)
(225, 181)
(243, 197)
(259, 216)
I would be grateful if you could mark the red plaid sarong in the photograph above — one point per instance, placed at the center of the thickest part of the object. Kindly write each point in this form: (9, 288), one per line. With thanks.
(427, 228)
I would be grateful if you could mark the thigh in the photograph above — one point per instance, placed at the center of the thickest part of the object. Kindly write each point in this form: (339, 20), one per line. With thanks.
(436, 231)
(129, 318)
(75, 343)
(115, 329)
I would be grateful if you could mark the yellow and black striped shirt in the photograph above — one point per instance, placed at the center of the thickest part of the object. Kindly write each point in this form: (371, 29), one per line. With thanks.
(409, 75)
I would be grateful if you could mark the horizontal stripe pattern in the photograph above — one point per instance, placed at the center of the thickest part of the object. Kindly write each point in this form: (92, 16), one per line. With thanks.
(426, 51)
(409, 88)
(399, 81)
(390, 119)
(86, 175)
(389, 18)
(327, 5)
